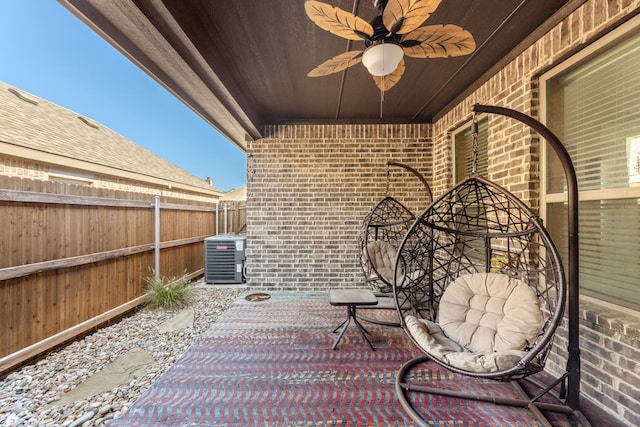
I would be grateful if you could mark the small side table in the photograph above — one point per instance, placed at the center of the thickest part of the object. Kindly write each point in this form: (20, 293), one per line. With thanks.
(351, 298)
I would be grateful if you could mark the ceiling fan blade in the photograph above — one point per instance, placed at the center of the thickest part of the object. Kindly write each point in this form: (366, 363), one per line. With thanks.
(338, 21)
(385, 83)
(438, 41)
(337, 63)
(403, 16)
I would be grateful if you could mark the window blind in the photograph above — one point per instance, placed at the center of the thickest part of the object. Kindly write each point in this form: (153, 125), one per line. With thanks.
(594, 109)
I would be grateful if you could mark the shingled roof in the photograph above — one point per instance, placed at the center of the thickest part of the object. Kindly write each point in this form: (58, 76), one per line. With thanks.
(29, 122)
(235, 195)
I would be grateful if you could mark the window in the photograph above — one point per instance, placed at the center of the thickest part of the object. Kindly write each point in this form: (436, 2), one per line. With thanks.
(69, 177)
(463, 151)
(593, 107)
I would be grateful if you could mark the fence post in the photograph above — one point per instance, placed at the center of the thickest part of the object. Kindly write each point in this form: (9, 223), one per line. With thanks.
(217, 218)
(225, 219)
(157, 236)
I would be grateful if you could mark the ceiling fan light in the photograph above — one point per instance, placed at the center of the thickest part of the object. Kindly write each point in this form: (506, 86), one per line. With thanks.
(382, 59)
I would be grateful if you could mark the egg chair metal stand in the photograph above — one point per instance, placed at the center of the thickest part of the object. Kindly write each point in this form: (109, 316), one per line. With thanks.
(480, 288)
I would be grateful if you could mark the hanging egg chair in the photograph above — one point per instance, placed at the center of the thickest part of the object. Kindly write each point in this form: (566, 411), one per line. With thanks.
(382, 231)
(480, 289)
(480, 286)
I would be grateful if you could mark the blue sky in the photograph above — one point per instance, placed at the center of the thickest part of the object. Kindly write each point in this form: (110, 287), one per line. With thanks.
(46, 51)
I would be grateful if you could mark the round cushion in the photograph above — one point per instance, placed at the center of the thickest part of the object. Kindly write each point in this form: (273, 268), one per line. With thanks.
(490, 312)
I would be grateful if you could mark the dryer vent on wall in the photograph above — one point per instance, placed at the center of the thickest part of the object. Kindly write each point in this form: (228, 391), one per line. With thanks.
(224, 258)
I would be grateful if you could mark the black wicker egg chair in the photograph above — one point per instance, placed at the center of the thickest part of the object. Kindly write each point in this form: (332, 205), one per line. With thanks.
(480, 289)
(382, 231)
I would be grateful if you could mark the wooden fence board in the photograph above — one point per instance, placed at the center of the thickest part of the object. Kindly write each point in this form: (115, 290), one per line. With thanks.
(75, 258)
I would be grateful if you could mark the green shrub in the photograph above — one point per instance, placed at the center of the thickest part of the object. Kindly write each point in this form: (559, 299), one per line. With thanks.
(168, 292)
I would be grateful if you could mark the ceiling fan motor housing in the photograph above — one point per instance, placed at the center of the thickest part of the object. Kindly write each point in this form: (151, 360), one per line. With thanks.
(381, 33)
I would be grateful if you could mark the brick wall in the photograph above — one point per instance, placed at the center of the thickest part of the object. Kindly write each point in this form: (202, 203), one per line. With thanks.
(310, 187)
(16, 168)
(21, 168)
(609, 355)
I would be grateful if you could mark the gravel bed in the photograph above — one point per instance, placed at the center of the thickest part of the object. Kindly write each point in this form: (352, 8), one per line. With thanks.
(28, 396)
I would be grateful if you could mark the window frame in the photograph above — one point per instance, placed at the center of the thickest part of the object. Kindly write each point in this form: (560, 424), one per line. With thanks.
(627, 30)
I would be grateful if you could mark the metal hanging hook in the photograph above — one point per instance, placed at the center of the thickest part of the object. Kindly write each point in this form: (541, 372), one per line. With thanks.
(388, 178)
(474, 139)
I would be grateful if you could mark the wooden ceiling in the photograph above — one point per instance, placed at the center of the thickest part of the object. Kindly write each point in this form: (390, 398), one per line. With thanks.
(242, 65)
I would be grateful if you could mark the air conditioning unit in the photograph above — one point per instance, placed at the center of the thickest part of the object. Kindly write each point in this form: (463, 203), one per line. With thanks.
(224, 258)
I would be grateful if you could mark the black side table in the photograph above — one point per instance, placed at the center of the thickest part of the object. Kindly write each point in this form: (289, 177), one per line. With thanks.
(351, 298)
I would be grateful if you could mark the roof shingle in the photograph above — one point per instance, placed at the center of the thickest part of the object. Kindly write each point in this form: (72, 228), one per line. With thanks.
(34, 123)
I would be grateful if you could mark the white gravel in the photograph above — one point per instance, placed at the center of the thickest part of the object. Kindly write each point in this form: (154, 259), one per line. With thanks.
(28, 396)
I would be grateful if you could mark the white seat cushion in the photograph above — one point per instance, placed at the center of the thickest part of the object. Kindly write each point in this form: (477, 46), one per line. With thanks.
(430, 337)
(485, 323)
(490, 312)
(382, 256)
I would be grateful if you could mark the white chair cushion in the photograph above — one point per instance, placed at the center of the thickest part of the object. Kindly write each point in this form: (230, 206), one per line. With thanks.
(430, 337)
(382, 256)
(489, 312)
(485, 322)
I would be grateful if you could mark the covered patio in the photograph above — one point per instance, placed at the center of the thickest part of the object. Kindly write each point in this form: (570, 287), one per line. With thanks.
(317, 149)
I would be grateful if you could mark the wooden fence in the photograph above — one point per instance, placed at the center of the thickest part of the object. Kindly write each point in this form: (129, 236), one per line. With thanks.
(74, 257)
(231, 218)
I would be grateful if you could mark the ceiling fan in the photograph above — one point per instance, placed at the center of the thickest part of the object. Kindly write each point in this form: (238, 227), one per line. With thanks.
(388, 37)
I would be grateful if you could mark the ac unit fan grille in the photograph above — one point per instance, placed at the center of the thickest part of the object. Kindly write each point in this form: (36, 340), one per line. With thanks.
(224, 260)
